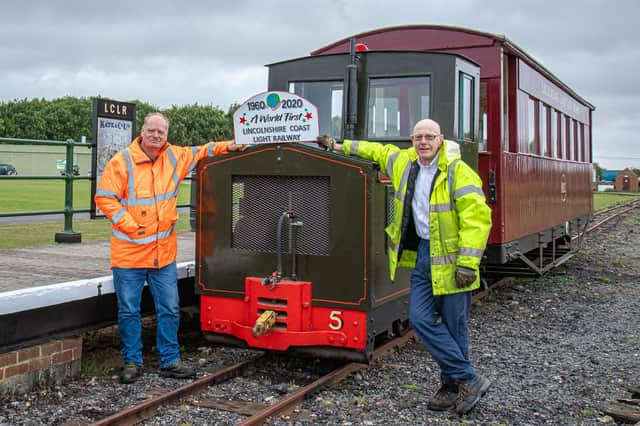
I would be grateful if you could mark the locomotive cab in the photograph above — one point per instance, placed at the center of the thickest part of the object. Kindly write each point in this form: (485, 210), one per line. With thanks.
(291, 249)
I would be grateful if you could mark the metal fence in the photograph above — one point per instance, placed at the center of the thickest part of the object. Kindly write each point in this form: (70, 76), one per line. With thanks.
(67, 235)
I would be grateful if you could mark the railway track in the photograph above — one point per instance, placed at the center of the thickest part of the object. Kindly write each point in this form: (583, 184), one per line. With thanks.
(603, 216)
(256, 413)
(599, 218)
(550, 321)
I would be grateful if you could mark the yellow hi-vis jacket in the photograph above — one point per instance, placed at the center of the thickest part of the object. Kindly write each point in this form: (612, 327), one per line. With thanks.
(140, 196)
(459, 218)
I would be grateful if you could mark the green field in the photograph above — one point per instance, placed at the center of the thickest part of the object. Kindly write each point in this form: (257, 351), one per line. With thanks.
(40, 195)
(36, 195)
(602, 200)
(42, 234)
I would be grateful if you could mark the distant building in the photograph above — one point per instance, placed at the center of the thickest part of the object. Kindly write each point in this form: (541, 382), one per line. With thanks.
(38, 160)
(609, 175)
(627, 181)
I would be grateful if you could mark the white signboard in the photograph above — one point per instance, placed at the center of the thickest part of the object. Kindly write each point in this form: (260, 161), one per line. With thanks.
(275, 117)
(113, 127)
(113, 136)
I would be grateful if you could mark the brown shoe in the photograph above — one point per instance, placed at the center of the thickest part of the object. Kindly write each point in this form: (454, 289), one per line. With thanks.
(470, 392)
(443, 400)
(178, 371)
(130, 373)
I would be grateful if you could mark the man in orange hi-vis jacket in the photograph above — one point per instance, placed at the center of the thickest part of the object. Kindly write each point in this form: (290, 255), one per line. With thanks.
(138, 192)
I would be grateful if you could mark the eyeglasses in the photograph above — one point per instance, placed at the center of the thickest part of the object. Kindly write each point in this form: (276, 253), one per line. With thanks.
(427, 137)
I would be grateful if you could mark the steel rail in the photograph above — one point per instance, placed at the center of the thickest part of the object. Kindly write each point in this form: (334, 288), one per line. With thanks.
(624, 208)
(611, 213)
(485, 293)
(149, 408)
(616, 206)
(287, 404)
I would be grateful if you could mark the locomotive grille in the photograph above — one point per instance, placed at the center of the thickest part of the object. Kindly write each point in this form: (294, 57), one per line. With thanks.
(260, 201)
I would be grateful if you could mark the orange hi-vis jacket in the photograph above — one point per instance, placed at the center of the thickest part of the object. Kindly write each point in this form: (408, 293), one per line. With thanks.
(140, 196)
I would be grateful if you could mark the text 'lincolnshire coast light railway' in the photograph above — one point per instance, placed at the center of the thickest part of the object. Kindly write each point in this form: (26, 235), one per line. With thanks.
(318, 218)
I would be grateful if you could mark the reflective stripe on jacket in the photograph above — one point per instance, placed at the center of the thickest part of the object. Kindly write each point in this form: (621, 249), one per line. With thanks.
(140, 196)
(459, 220)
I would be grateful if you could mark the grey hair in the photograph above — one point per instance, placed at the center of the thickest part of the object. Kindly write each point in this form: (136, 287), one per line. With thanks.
(155, 114)
(428, 121)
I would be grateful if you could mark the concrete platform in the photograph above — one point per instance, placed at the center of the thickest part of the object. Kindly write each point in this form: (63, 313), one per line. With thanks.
(37, 266)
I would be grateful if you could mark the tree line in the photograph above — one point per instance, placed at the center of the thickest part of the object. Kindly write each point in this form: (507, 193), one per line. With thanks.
(71, 118)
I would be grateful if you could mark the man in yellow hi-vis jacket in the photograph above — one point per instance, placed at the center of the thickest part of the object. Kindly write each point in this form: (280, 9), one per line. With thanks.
(440, 229)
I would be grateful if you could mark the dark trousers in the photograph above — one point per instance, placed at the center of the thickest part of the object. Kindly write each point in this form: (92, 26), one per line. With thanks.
(441, 322)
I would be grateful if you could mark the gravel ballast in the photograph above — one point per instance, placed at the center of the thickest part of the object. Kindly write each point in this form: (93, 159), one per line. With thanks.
(557, 349)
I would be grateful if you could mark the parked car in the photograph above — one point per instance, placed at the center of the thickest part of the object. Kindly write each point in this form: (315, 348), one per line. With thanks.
(76, 171)
(8, 169)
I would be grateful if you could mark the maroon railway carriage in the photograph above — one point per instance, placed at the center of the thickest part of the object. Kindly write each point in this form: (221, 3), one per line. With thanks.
(534, 143)
(526, 132)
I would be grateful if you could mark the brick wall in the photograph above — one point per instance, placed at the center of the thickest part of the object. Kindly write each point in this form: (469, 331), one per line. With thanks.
(46, 363)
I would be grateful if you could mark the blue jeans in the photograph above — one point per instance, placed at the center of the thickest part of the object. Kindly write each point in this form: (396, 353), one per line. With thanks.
(163, 283)
(447, 340)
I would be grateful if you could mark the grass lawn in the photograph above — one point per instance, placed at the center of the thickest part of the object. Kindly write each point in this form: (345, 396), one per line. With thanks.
(38, 195)
(602, 200)
(42, 234)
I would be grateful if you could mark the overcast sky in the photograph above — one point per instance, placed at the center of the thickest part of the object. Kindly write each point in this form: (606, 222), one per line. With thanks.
(213, 52)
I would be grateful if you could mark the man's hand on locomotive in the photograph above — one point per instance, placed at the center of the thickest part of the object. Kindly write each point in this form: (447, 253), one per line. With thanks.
(328, 143)
(465, 276)
(233, 147)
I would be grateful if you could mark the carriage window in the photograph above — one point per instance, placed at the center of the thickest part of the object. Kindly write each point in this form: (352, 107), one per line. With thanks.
(587, 147)
(562, 129)
(483, 117)
(504, 122)
(569, 127)
(465, 128)
(553, 124)
(581, 141)
(327, 96)
(531, 122)
(576, 151)
(544, 140)
(395, 105)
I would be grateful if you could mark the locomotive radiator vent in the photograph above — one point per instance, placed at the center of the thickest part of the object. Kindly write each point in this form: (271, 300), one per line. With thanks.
(272, 302)
(259, 201)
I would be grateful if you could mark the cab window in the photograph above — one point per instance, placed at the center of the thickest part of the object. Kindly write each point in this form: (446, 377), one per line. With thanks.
(395, 105)
(327, 96)
(466, 112)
